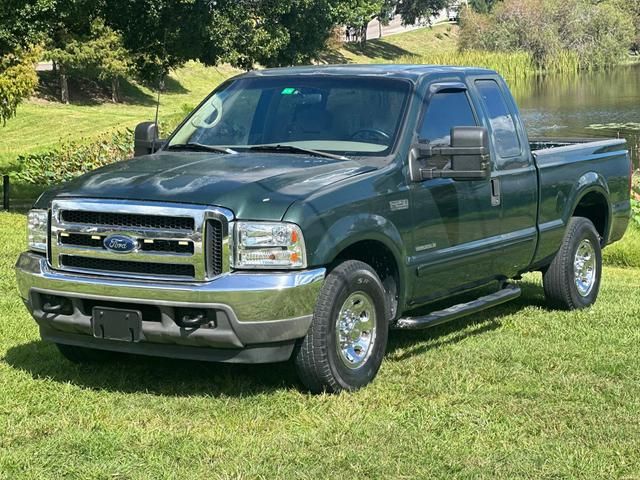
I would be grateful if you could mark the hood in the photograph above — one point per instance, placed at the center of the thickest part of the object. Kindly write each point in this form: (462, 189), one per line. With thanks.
(255, 186)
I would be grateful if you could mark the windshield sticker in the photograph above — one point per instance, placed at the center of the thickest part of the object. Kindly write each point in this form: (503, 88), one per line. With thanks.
(288, 91)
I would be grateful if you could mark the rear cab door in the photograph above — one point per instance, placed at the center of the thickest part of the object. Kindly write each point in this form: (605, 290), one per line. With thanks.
(514, 180)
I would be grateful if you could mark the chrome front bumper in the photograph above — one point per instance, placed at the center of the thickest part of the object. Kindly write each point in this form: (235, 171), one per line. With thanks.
(250, 309)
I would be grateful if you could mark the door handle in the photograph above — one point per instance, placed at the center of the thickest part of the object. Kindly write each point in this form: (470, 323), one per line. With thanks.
(496, 198)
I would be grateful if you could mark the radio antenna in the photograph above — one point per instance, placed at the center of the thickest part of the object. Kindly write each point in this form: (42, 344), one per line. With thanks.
(160, 88)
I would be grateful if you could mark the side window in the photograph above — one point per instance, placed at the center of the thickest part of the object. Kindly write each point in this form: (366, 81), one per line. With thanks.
(503, 125)
(446, 110)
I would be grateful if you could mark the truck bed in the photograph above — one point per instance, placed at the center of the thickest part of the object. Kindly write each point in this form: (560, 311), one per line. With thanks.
(544, 143)
(564, 165)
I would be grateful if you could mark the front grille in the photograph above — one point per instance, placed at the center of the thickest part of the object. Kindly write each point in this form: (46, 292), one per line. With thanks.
(143, 268)
(127, 220)
(171, 246)
(214, 248)
(81, 240)
(179, 241)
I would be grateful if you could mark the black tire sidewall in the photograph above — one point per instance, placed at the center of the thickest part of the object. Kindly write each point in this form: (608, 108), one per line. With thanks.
(584, 230)
(365, 281)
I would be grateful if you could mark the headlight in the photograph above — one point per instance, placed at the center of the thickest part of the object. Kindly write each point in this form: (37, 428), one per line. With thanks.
(37, 230)
(268, 245)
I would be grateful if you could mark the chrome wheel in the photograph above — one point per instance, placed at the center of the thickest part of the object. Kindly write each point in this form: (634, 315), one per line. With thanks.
(584, 267)
(356, 330)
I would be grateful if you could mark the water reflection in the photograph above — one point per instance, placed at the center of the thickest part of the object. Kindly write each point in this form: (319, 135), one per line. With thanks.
(592, 104)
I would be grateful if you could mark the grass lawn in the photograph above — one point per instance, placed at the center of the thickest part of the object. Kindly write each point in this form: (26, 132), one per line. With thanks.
(516, 392)
(40, 125)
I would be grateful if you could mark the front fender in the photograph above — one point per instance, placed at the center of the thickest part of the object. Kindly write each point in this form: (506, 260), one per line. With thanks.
(347, 231)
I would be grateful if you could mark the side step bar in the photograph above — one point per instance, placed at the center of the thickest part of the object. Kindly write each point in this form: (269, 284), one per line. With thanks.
(454, 312)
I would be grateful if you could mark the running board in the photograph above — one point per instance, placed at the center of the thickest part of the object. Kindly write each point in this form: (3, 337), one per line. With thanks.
(454, 312)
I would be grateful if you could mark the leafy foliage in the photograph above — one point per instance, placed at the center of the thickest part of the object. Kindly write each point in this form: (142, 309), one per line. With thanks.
(18, 79)
(72, 159)
(597, 34)
(101, 54)
(635, 198)
(412, 10)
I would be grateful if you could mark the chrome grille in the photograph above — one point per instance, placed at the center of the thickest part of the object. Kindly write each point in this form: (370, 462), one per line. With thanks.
(172, 241)
(127, 220)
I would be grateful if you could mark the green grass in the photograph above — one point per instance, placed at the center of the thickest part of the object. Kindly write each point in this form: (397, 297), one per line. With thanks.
(520, 391)
(40, 125)
(420, 43)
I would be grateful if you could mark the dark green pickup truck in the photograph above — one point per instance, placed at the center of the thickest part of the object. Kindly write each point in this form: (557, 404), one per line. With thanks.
(301, 213)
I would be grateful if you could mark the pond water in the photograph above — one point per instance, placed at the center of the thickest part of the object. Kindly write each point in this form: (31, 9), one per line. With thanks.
(593, 104)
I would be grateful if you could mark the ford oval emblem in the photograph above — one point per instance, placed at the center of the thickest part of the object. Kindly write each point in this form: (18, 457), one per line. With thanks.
(120, 244)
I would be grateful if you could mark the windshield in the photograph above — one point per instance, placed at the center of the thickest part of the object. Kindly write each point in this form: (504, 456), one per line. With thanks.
(342, 115)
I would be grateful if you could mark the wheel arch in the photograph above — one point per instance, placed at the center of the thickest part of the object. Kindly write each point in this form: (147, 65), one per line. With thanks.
(373, 240)
(592, 203)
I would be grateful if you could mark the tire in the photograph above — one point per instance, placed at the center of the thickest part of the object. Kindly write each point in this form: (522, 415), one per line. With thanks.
(564, 287)
(84, 355)
(352, 287)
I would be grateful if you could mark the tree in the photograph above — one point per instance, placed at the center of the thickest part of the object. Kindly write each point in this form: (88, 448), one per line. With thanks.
(412, 10)
(358, 13)
(100, 55)
(482, 6)
(21, 24)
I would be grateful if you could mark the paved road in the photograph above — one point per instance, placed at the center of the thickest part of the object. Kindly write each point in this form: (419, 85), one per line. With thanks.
(395, 26)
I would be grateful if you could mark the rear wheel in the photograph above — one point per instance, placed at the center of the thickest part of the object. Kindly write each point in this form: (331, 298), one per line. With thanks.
(572, 280)
(84, 355)
(346, 342)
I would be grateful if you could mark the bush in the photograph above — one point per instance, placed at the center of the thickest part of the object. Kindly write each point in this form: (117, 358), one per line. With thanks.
(597, 35)
(18, 80)
(635, 198)
(72, 159)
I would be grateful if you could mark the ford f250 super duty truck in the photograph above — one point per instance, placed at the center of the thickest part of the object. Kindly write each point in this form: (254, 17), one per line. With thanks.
(301, 213)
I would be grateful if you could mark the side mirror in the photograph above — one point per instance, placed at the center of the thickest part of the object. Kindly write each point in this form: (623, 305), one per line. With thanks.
(146, 139)
(469, 153)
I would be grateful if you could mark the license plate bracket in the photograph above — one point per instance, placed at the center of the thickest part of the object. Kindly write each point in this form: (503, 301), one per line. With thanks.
(116, 324)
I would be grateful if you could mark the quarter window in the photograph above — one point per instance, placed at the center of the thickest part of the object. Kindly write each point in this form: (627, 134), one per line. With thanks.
(445, 111)
(503, 127)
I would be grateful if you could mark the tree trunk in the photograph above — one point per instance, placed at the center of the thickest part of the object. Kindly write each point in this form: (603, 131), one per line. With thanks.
(379, 28)
(64, 88)
(363, 34)
(115, 89)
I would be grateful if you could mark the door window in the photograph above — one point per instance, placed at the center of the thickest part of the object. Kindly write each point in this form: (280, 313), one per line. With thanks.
(445, 111)
(505, 136)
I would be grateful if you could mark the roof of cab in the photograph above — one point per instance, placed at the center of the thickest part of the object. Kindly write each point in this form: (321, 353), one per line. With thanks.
(411, 72)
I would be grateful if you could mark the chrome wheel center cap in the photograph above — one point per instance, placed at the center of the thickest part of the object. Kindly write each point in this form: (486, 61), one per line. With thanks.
(356, 330)
(585, 267)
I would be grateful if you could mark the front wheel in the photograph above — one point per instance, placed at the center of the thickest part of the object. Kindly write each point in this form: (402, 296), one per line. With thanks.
(572, 281)
(347, 340)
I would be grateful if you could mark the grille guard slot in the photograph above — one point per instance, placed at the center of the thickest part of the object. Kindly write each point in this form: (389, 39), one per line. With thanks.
(208, 239)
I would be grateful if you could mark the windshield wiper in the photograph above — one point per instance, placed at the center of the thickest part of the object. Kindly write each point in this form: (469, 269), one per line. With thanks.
(200, 147)
(293, 149)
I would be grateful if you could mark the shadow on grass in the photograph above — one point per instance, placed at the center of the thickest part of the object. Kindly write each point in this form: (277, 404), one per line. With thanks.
(153, 375)
(170, 377)
(372, 49)
(406, 341)
(377, 49)
(21, 195)
(87, 92)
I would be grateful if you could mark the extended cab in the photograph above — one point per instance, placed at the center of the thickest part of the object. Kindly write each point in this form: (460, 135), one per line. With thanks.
(301, 213)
